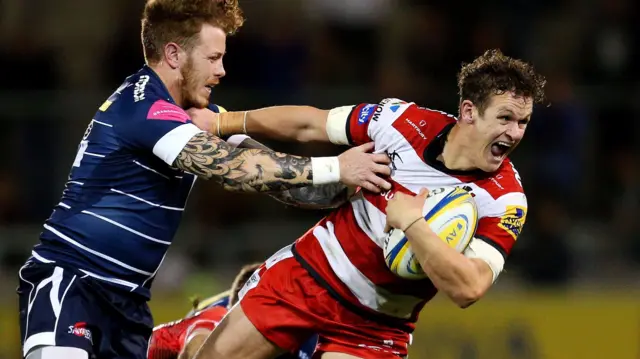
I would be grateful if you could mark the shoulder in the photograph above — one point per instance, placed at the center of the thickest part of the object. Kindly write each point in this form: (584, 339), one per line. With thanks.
(143, 96)
(502, 195)
(384, 111)
(505, 181)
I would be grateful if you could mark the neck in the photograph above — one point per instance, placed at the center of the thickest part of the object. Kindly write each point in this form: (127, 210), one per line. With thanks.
(455, 154)
(168, 78)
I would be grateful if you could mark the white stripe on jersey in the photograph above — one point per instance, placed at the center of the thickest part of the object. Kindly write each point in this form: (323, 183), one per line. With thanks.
(41, 258)
(125, 283)
(367, 292)
(94, 252)
(94, 154)
(169, 146)
(102, 123)
(150, 169)
(76, 182)
(155, 271)
(33, 287)
(147, 202)
(126, 228)
(64, 205)
(364, 211)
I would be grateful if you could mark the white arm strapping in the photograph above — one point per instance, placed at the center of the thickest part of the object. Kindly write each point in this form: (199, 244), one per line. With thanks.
(482, 250)
(337, 125)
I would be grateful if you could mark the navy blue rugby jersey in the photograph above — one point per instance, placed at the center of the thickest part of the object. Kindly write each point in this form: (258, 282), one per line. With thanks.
(123, 200)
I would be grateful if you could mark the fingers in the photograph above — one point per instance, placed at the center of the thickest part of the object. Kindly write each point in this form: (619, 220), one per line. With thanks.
(379, 182)
(387, 228)
(382, 170)
(367, 147)
(371, 187)
(380, 158)
(423, 192)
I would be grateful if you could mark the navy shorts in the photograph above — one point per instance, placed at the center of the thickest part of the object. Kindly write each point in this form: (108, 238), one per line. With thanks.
(65, 308)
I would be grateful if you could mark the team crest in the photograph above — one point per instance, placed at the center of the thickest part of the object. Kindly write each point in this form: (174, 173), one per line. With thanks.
(513, 220)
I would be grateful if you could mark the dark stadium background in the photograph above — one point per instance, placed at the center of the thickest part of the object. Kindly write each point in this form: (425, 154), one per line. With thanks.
(570, 290)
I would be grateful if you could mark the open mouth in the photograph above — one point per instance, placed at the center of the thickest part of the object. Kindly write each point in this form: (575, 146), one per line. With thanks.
(500, 148)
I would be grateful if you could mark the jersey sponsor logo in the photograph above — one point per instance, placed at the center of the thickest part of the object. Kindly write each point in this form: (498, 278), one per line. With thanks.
(80, 330)
(138, 91)
(417, 128)
(251, 283)
(394, 106)
(165, 111)
(377, 112)
(365, 113)
(513, 220)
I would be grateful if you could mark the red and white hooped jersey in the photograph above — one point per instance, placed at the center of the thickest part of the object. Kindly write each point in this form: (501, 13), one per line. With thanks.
(344, 250)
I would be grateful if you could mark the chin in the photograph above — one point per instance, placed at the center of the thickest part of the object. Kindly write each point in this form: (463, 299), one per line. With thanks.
(199, 102)
(492, 165)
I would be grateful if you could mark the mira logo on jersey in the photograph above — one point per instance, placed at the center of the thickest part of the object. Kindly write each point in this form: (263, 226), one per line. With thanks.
(513, 220)
(80, 330)
(138, 91)
(365, 113)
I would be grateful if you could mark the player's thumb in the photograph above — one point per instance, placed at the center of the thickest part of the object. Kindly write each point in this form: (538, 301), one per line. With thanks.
(387, 227)
(423, 193)
(367, 147)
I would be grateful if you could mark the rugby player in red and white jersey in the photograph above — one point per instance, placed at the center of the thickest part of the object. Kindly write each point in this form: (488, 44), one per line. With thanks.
(334, 280)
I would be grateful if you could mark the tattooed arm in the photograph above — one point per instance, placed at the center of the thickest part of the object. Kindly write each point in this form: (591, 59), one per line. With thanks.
(248, 170)
(310, 197)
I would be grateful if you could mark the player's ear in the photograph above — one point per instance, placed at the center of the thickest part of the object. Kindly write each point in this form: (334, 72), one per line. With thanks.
(172, 54)
(466, 112)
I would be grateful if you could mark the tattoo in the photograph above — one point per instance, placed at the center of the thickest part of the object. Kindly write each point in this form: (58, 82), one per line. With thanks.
(311, 197)
(315, 197)
(248, 170)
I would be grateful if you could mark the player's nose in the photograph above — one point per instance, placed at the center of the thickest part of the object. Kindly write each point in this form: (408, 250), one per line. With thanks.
(514, 132)
(219, 72)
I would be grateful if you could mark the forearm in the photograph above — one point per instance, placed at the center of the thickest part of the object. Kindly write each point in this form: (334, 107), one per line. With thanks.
(288, 123)
(315, 197)
(312, 197)
(450, 271)
(250, 170)
(193, 343)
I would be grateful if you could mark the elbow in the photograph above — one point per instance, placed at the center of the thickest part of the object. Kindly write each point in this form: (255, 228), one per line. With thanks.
(465, 296)
(314, 129)
(309, 134)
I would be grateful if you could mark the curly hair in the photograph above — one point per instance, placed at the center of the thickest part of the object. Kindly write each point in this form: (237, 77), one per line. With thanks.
(241, 278)
(180, 21)
(493, 74)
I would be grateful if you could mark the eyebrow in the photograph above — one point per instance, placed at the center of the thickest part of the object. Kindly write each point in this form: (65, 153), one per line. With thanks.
(504, 109)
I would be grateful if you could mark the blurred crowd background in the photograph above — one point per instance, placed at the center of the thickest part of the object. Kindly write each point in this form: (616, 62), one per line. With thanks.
(579, 161)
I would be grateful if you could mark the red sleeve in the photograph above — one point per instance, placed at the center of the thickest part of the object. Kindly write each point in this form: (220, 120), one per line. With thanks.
(358, 123)
(502, 231)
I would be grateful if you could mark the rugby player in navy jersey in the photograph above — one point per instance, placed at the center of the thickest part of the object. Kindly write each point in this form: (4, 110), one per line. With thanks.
(83, 292)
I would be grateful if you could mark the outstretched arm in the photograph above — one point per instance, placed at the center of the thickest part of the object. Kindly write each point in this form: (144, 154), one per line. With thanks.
(287, 123)
(311, 197)
(256, 170)
(346, 125)
(248, 170)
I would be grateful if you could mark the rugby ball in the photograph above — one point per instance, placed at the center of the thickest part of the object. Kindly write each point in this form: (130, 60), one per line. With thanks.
(452, 214)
